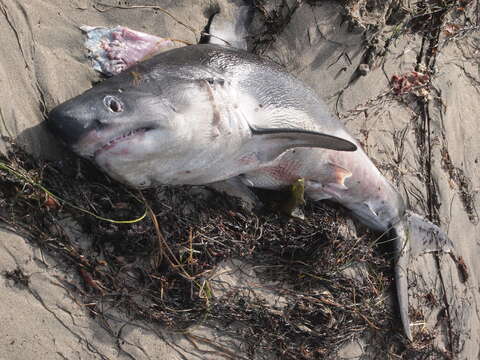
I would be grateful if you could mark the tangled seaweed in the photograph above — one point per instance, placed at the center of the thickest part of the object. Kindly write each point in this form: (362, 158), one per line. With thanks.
(162, 269)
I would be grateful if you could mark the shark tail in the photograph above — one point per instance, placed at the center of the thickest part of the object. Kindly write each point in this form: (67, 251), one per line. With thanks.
(414, 236)
(402, 252)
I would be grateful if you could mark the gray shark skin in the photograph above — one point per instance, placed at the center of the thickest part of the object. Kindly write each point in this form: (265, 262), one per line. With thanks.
(193, 115)
(204, 113)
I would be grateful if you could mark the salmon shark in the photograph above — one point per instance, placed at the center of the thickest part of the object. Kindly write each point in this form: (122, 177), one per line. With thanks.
(210, 115)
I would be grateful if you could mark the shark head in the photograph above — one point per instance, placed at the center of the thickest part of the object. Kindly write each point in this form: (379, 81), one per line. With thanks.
(124, 128)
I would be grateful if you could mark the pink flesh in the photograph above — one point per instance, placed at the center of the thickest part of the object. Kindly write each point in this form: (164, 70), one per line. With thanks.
(129, 47)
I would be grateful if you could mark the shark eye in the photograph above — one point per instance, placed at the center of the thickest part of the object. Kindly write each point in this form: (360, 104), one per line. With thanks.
(113, 104)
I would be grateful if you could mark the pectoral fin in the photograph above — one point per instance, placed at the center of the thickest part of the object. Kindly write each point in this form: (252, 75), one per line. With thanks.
(236, 188)
(270, 143)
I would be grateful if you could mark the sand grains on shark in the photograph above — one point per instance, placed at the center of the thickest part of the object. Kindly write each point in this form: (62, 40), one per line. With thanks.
(204, 114)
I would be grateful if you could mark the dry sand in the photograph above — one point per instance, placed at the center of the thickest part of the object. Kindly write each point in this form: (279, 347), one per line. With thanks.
(429, 148)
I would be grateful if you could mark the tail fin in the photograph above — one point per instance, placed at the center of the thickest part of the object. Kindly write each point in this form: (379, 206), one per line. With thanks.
(402, 251)
(414, 236)
(229, 26)
(426, 236)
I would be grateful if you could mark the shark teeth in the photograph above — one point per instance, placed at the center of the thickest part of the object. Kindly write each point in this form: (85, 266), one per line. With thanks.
(119, 139)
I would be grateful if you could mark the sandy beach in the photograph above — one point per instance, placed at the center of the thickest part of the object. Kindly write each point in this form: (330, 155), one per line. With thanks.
(358, 56)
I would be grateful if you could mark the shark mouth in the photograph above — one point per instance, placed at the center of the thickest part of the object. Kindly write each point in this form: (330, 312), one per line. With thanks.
(119, 139)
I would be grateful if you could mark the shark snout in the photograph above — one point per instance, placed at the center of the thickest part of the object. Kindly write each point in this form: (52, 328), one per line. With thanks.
(69, 125)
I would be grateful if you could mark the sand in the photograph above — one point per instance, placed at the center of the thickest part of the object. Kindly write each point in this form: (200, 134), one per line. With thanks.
(428, 147)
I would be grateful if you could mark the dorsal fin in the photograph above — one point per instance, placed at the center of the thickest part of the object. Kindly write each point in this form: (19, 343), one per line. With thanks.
(229, 26)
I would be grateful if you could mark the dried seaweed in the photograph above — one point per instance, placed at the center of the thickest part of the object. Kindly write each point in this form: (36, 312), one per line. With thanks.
(160, 269)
